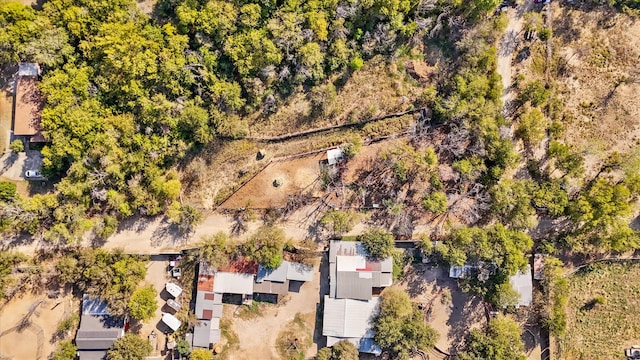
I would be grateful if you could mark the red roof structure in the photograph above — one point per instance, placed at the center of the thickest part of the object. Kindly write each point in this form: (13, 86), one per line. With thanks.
(240, 265)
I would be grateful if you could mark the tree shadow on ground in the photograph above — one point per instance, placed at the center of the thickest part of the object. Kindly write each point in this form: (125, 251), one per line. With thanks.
(318, 338)
(466, 311)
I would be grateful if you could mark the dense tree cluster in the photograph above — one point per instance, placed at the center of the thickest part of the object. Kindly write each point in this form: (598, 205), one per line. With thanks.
(112, 276)
(129, 347)
(378, 243)
(265, 246)
(500, 341)
(399, 327)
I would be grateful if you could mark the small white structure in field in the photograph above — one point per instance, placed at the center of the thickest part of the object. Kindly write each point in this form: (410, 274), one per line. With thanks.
(334, 156)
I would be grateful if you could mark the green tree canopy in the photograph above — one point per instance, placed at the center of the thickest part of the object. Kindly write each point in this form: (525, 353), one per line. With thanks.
(142, 304)
(129, 347)
(214, 250)
(399, 326)
(500, 341)
(338, 221)
(378, 243)
(342, 350)
(266, 246)
(200, 354)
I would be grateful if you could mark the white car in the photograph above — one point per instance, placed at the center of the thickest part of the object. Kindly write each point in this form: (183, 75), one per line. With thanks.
(32, 174)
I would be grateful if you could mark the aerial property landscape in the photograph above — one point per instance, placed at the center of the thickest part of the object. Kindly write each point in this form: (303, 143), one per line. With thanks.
(306, 179)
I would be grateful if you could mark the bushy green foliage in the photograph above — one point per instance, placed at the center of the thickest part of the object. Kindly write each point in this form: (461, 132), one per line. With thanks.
(567, 161)
(142, 304)
(556, 289)
(601, 214)
(535, 93)
(200, 354)
(532, 127)
(500, 341)
(266, 246)
(342, 350)
(112, 276)
(551, 197)
(7, 190)
(66, 351)
(511, 201)
(213, 249)
(399, 326)
(435, 202)
(338, 221)
(492, 245)
(16, 146)
(7, 262)
(129, 347)
(378, 243)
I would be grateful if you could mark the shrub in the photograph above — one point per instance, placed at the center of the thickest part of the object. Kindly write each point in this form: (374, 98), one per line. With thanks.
(435, 202)
(16, 146)
(7, 190)
(544, 34)
(356, 63)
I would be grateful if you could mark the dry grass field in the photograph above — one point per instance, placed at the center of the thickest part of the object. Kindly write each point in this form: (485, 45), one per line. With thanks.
(602, 314)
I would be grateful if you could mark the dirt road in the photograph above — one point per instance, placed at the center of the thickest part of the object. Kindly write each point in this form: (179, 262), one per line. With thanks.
(507, 47)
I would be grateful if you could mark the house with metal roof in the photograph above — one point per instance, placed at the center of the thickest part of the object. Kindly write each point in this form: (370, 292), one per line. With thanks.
(353, 274)
(522, 283)
(98, 329)
(350, 307)
(352, 320)
(277, 281)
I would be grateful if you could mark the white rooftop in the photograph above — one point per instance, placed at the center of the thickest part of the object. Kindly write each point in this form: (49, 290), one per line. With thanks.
(334, 155)
(173, 289)
(347, 318)
(522, 283)
(350, 263)
(28, 69)
(233, 283)
(171, 321)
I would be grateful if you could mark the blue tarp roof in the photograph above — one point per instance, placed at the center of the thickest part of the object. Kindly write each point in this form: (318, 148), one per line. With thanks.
(93, 306)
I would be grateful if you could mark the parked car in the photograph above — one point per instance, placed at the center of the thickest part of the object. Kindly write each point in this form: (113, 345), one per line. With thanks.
(32, 174)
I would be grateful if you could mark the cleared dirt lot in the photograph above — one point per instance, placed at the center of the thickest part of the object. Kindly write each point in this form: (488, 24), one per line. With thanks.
(33, 341)
(258, 335)
(453, 317)
(294, 176)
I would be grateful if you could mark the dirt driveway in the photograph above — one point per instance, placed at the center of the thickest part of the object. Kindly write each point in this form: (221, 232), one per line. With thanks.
(13, 166)
(257, 336)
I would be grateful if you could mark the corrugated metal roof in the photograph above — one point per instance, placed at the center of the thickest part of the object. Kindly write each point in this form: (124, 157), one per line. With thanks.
(98, 332)
(347, 318)
(92, 355)
(208, 301)
(350, 263)
(278, 274)
(345, 248)
(29, 69)
(270, 287)
(205, 333)
(354, 285)
(233, 283)
(333, 279)
(523, 285)
(299, 272)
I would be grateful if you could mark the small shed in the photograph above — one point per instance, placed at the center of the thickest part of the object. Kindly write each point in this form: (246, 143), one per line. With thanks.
(173, 289)
(334, 156)
(171, 321)
(29, 69)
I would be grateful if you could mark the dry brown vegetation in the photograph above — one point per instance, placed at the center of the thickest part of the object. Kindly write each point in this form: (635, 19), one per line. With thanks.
(593, 72)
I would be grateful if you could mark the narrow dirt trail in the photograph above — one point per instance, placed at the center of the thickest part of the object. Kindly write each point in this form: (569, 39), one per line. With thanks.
(507, 47)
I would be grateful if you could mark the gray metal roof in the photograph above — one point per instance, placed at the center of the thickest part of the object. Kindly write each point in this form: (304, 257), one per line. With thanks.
(345, 248)
(28, 69)
(206, 332)
(278, 274)
(271, 287)
(299, 272)
(93, 306)
(233, 283)
(347, 318)
(522, 283)
(204, 302)
(92, 354)
(333, 280)
(98, 332)
(354, 285)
